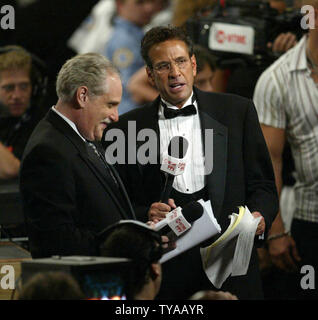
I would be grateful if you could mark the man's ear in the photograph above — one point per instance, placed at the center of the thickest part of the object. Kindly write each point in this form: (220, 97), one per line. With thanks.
(82, 96)
(194, 65)
(150, 75)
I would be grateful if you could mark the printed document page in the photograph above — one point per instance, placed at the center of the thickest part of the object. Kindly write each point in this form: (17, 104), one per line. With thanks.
(230, 253)
(201, 230)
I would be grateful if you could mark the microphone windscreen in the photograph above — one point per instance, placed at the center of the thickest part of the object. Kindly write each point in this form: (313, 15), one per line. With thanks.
(178, 147)
(192, 211)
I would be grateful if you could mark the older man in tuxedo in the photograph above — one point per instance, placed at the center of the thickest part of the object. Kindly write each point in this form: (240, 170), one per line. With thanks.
(242, 171)
(69, 191)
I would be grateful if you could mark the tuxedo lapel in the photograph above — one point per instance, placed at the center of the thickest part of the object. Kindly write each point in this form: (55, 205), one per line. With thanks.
(215, 179)
(100, 172)
(95, 165)
(151, 171)
(150, 120)
(123, 190)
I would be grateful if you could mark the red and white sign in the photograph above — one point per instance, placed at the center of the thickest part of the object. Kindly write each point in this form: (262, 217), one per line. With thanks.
(173, 165)
(231, 38)
(177, 222)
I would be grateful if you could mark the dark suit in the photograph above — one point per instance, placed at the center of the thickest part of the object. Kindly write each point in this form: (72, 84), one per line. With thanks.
(68, 195)
(242, 175)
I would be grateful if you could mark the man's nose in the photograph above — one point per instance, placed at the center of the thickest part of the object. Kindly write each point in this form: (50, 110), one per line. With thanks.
(174, 70)
(114, 116)
(17, 92)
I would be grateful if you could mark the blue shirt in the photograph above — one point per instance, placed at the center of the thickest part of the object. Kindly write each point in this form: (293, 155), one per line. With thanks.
(123, 49)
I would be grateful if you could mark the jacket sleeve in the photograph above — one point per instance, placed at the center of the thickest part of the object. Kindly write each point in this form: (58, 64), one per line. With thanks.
(48, 193)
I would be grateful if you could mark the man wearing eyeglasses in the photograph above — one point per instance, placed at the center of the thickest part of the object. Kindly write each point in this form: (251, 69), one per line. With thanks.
(242, 172)
(16, 119)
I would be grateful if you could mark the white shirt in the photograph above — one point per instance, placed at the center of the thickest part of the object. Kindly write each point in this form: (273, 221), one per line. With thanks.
(286, 97)
(71, 123)
(189, 127)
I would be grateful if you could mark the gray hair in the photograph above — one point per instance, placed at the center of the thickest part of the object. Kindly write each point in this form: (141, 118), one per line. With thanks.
(89, 69)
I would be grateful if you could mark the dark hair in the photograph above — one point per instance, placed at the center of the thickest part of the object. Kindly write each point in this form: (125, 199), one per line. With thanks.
(141, 246)
(52, 285)
(160, 34)
(203, 57)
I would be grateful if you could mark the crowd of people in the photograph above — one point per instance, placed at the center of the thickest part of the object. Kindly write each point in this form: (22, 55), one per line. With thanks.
(146, 70)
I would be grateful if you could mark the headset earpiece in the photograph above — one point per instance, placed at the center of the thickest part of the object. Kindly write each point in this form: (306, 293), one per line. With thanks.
(39, 77)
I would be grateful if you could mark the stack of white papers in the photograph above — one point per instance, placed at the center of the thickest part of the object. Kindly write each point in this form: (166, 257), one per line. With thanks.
(230, 254)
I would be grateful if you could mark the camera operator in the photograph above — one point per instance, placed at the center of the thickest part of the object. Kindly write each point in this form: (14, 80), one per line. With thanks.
(242, 80)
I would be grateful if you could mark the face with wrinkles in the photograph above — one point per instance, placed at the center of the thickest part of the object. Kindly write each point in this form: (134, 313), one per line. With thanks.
(98, 111)
(173, 71)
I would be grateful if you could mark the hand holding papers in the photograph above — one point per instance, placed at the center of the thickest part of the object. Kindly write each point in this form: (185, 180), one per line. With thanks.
(231, 252)
(201, 229)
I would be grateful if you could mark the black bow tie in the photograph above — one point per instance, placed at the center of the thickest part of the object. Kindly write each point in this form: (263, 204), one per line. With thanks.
(172, 113)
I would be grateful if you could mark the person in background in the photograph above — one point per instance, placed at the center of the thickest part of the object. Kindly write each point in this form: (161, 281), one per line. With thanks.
(206, 66)
(140, 243)
(123, 47)
(285, 97)
(18, 113)
(95, 30)
(183, 10)
(51, 285)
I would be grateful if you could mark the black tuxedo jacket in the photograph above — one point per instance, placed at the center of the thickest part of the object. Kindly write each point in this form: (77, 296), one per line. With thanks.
(242, 170)
(67, 196)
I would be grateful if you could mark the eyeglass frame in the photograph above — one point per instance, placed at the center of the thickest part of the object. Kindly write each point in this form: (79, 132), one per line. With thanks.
(179, 64)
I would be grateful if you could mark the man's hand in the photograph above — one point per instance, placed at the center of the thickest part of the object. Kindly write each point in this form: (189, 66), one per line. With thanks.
(284, 253)
(282, 247)
(283, 42)
(9, 164)
(167, 244)
(158, 210)
(261, 225)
